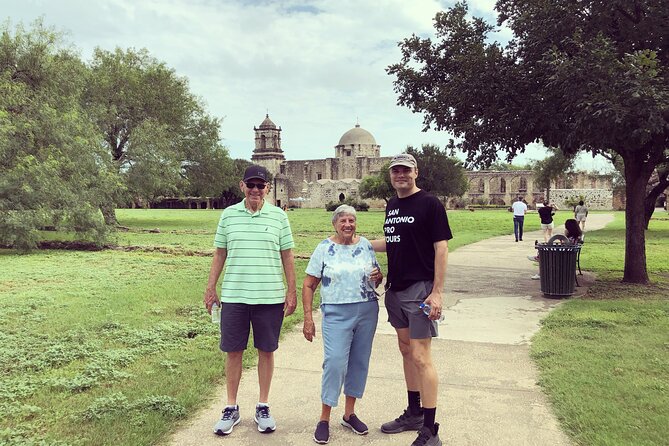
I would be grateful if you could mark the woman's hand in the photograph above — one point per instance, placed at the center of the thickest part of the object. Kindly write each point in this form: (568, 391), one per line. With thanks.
(309, 329)
(376, 276)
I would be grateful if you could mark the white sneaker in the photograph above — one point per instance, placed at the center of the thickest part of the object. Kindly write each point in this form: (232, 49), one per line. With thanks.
(535, 277)
(533, 258)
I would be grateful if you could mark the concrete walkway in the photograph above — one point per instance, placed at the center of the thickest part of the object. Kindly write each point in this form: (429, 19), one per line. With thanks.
(488, 392)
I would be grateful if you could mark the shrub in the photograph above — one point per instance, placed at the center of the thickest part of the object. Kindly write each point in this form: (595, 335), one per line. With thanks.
(360, 206)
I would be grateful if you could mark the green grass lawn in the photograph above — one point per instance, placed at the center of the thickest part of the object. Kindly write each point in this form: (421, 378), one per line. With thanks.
(604, 359)
(116, 346)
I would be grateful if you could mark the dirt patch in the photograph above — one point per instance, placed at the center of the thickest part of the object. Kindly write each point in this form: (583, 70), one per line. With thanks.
(90, 246)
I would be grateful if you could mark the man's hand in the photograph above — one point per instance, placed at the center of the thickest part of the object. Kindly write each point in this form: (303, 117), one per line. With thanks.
(290, 303)
(211, 297)
(435, 301)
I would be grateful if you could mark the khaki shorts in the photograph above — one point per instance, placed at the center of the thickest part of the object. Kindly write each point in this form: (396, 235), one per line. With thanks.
(581, 217)
(545, 226)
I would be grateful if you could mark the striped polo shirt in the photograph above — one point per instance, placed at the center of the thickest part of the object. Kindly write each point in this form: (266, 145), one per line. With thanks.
(254, 241)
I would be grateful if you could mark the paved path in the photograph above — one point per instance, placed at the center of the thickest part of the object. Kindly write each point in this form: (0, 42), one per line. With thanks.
(487, 393)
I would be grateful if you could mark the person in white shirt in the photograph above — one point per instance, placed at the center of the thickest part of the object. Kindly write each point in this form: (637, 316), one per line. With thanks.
(519, 209)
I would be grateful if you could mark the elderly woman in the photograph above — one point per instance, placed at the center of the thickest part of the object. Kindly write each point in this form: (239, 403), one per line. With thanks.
(346, 266)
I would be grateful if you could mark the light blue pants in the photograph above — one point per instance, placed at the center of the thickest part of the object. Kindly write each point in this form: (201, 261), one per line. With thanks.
(348, 332)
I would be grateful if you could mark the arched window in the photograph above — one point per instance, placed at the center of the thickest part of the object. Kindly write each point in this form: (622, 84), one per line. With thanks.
(481, 185)
(341, 198)
(263, 142)
(502, 186)
(523, 185)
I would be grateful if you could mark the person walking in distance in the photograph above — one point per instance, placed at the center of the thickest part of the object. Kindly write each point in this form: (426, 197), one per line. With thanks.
(546, 216)
(581, 214)
(519, 209)
(416, 242)
(254, 244)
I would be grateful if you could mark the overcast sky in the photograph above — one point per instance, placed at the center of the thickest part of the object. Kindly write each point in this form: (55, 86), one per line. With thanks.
(317, 67)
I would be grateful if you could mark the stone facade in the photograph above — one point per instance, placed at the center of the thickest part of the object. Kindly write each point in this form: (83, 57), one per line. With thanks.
(601, 199)
(313, 183)
(503, 187)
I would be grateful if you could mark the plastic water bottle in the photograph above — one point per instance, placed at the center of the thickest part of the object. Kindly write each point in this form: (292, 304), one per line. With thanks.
(426, 309)
(215, 313)
(368, 271)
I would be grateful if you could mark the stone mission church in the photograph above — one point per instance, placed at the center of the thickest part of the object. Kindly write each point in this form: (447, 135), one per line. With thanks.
(313, 183)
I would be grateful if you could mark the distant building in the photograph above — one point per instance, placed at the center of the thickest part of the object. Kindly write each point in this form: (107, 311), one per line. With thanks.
(313, 183)
(504, 187)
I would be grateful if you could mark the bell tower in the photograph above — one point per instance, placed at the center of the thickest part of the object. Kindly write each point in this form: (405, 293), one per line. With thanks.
(267, 150)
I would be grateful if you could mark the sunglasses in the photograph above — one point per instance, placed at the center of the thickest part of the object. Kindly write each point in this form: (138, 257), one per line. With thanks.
(259, 186)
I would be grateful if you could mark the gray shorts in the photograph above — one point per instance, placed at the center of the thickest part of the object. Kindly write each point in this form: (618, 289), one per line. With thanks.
(237, 320)
(403, 311)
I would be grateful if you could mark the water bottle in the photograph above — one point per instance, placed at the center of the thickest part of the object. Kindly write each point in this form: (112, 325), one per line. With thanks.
(426, 309)
(368, 271)
(215, 313)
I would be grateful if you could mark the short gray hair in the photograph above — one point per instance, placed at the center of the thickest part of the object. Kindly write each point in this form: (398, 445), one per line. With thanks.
(344, 209)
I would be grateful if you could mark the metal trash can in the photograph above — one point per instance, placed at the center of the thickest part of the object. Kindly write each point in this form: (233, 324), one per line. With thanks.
(557, 268)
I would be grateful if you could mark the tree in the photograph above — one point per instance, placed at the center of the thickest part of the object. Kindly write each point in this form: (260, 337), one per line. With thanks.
(378, 186)
(658, 183)
(52, 170)
(580, 76)
(233, 194)
(551, 168)
(438, 173)
(157, 133)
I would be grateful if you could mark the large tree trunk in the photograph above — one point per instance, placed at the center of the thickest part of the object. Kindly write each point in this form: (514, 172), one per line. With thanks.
(636, 180)
(109, 214)
(655, 191)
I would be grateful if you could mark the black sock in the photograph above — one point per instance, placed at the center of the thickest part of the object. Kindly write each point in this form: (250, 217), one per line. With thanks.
(428, 419)
(414, 402)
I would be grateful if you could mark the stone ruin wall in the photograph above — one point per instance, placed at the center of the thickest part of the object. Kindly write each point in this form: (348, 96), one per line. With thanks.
(595, 199)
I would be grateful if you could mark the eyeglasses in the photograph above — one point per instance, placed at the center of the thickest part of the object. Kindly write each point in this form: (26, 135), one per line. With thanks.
(259, 186)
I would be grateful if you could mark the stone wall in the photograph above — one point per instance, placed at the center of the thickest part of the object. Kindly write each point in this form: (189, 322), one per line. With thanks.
(503, 187)
(313, 183)
(595, 199)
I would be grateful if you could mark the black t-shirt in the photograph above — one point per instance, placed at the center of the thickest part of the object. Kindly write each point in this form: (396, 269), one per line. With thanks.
(546, 215)
(411, 227)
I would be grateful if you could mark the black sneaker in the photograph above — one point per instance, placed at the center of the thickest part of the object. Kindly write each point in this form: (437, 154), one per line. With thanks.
(322, 434)
(355, 425)
(405, 422)
(427, 438)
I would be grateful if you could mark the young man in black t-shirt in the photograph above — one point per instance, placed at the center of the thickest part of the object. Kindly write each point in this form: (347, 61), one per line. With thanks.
(416, 241)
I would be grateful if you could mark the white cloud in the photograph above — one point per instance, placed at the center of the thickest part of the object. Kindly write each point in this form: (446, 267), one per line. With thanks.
(317, 65)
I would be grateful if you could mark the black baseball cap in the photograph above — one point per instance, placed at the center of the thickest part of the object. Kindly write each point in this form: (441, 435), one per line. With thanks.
(256, 171)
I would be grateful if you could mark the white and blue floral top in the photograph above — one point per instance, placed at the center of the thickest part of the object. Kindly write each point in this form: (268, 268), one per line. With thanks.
(344, 271)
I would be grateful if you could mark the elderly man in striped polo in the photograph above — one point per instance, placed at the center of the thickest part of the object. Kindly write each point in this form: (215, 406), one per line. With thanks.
(254, 244)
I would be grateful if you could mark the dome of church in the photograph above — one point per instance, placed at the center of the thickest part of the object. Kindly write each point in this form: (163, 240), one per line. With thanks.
(267, 123)
(357, 135)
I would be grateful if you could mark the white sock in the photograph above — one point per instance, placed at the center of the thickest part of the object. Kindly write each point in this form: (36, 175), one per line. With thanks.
(262, 404)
